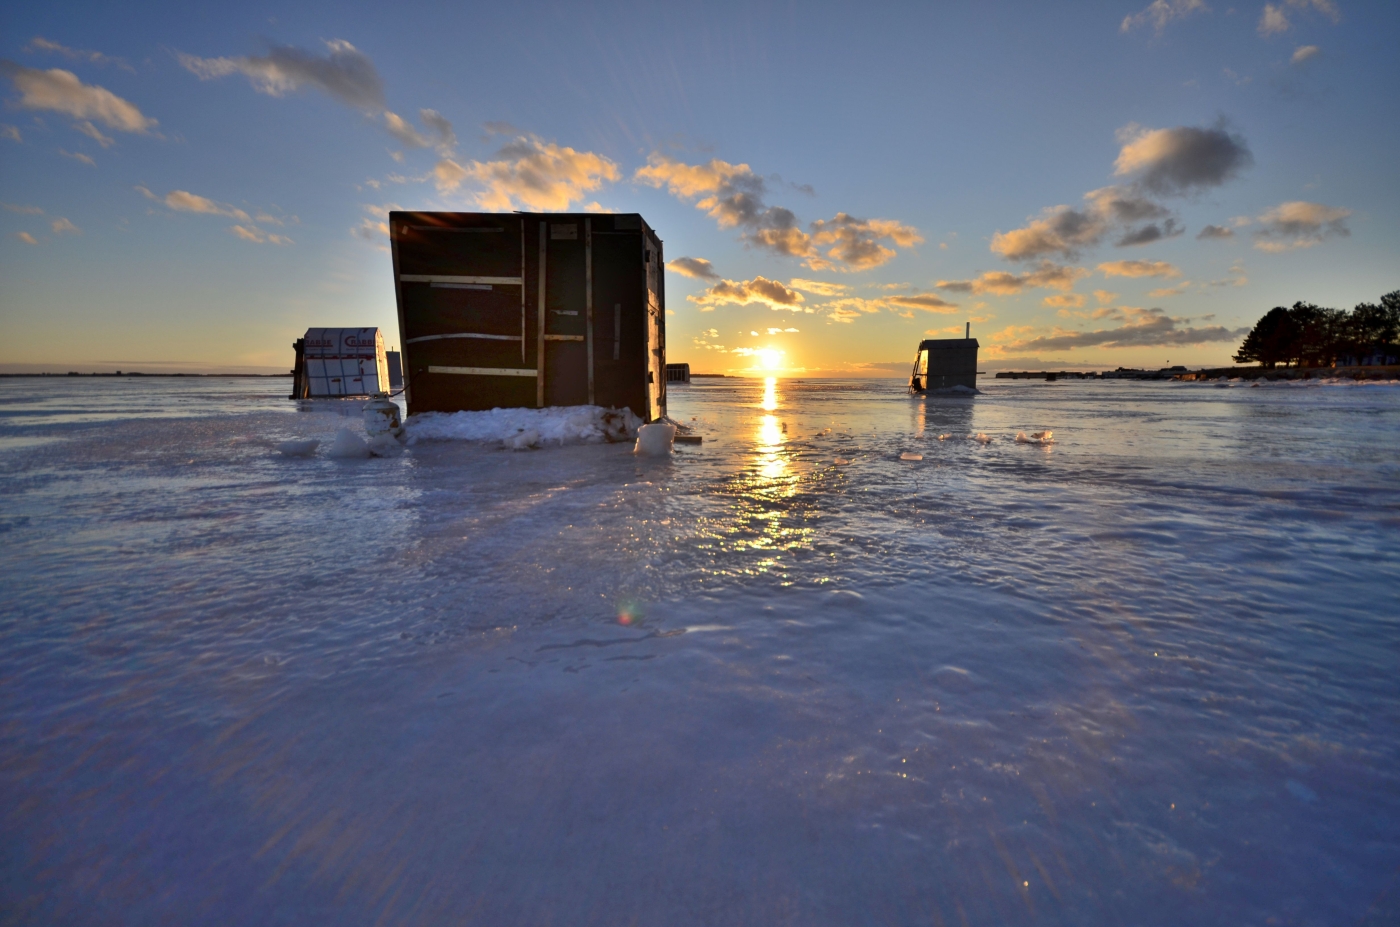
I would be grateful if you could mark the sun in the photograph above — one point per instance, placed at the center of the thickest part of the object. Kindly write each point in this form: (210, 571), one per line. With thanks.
(770, 358)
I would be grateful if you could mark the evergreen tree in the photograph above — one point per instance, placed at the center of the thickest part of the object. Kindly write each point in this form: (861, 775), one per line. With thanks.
(1305, 334)
(1265, 342)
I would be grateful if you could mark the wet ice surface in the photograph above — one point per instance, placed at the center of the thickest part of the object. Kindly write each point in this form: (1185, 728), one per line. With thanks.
(1144, 675)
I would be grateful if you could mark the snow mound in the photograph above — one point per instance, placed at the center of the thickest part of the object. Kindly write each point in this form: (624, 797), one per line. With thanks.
(520, 429)
(298, 448)
(1036, 437)
(982, 438)
(908, 455)
(348, 446)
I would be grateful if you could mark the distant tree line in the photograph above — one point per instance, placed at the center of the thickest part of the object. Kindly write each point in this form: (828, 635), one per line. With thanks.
(1304, 335)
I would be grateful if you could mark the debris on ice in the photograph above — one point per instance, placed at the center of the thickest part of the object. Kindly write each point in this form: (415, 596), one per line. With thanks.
(348, 445)
(523, 440)
(982, 438)
(944, 437)
(1036, 437)
(554, 425)
(299, 448)
(655, 440)
(841, 461)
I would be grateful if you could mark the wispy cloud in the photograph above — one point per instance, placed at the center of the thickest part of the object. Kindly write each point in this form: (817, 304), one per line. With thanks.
(1161, 12)
(185, 201)
(1159, 162)
(27, 238)
(697, 268)
(41, 44)
(760, 290)
(344, 73)
(736, 197)
(856, 243)
(1149, 233)
(820, 287)
(258, 236)
(1139, 269)
(78, 156)
(1274, 18)
(1047, 275)
(61, 91)
(439, 133)
(61, 226)
(926, 302)
(11, 132)
(1142, 328)
(528, 173)
(1064, 301)
(1214, 231)
(1236, 276)
(1303, 53)
(1299, 224)
(22, 210)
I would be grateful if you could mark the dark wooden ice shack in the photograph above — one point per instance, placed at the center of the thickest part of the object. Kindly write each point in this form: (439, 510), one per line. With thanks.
(943, 363)
(530, 309)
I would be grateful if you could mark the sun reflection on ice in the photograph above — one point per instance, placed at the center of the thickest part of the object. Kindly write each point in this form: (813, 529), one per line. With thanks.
(770, 394)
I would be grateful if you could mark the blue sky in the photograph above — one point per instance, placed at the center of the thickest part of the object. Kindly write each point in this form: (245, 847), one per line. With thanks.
(1097, 184)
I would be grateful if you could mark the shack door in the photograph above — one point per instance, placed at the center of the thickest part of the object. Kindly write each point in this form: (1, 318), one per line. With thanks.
(563, 242)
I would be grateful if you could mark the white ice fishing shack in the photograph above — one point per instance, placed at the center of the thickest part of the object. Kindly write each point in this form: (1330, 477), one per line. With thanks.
(341, 362)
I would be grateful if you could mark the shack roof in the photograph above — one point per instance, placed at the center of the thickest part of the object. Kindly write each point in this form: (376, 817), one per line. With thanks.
(935, 344)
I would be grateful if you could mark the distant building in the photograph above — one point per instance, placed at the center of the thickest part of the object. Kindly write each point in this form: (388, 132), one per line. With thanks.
(1377, 355)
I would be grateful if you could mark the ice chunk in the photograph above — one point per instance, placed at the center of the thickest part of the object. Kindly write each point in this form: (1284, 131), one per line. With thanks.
(654, 440)
(299, 448)
(348, 445)
(1036, 437)
(841, 461)
(523, 440)
(944, 437)
(907, 455)
(982, 438)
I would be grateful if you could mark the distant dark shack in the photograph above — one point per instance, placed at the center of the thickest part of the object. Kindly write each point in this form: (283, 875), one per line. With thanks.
(530, 309)
(944, 363)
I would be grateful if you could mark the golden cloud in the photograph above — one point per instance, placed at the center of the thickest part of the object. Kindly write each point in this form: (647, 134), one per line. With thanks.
(531, 174)
(1139, 269)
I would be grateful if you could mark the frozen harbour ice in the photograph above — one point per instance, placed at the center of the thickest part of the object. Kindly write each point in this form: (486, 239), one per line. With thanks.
(1145, 674)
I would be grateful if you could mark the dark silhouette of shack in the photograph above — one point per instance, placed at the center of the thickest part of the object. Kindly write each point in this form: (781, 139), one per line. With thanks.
(530, 310)
(944, 363)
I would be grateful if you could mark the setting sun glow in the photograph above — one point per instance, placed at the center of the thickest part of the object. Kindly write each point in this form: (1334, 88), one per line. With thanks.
(770, 358)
